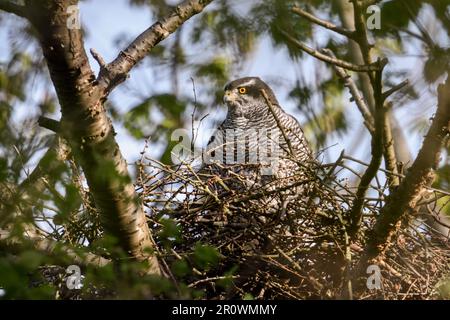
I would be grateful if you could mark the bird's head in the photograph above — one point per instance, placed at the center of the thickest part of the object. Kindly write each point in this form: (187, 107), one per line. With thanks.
(244, 96)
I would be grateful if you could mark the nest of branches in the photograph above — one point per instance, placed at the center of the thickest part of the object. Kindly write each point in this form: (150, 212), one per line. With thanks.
(287, 238)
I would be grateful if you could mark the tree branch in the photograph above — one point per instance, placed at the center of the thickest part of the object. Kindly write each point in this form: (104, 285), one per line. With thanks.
(361, 33)
(395, 88)
(375, 161)
(101, 62)
(390, 158)
(85, 123)
(323, 23)
(53, 248)
(421, 174)
(345, 9)
(334, 61)
(354, 91)
(365, 47)
(116, 71)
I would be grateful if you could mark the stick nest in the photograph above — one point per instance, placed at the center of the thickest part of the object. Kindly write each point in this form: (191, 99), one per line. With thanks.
(287, 238)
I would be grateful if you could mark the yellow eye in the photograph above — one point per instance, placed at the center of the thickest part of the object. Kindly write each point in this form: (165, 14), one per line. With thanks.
(242, 90)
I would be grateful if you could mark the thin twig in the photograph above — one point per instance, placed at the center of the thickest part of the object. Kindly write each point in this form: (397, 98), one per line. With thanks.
(323, 23)
(395, 88)
(341, 63)
(354, 91)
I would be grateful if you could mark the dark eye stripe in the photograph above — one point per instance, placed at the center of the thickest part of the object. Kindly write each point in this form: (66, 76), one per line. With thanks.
(252, 91)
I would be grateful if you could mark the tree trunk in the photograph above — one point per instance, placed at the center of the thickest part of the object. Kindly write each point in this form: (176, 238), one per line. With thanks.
(88, 129)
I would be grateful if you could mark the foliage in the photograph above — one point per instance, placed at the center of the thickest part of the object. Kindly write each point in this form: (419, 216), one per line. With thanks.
(54, 200)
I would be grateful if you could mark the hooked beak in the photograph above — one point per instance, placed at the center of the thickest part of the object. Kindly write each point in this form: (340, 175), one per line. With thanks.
(229, 96)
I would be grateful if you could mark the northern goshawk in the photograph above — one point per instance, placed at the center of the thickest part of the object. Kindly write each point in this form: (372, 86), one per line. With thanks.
(257, 140)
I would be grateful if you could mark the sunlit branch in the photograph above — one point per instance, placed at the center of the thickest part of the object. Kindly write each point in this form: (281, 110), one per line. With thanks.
(323, 23)
(334, 61)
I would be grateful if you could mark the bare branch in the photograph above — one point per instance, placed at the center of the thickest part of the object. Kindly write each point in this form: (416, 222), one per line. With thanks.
(337, 62)
(390, 158)
(375, 162)
(361, 37)
(323, 23)
(361, 33)
(395, 88)
(101, 62)
(354, 91)
(54, 248)
(116, 71)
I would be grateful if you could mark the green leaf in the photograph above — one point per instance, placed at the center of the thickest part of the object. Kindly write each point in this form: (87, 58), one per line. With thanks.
(170, 232)
(180, 268)
(248, 296)
(205, 257)
(437, 64)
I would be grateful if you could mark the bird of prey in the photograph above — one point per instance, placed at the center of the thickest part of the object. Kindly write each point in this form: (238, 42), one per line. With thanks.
(257, 140)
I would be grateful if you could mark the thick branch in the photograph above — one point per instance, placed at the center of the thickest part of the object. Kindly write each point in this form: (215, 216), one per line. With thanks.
(334, 61)
(52, 248)
(85, 123)
(421, 174)
(116, 72)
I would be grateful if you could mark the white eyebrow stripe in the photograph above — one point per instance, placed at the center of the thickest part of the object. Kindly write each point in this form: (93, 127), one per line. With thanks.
(249, 82)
